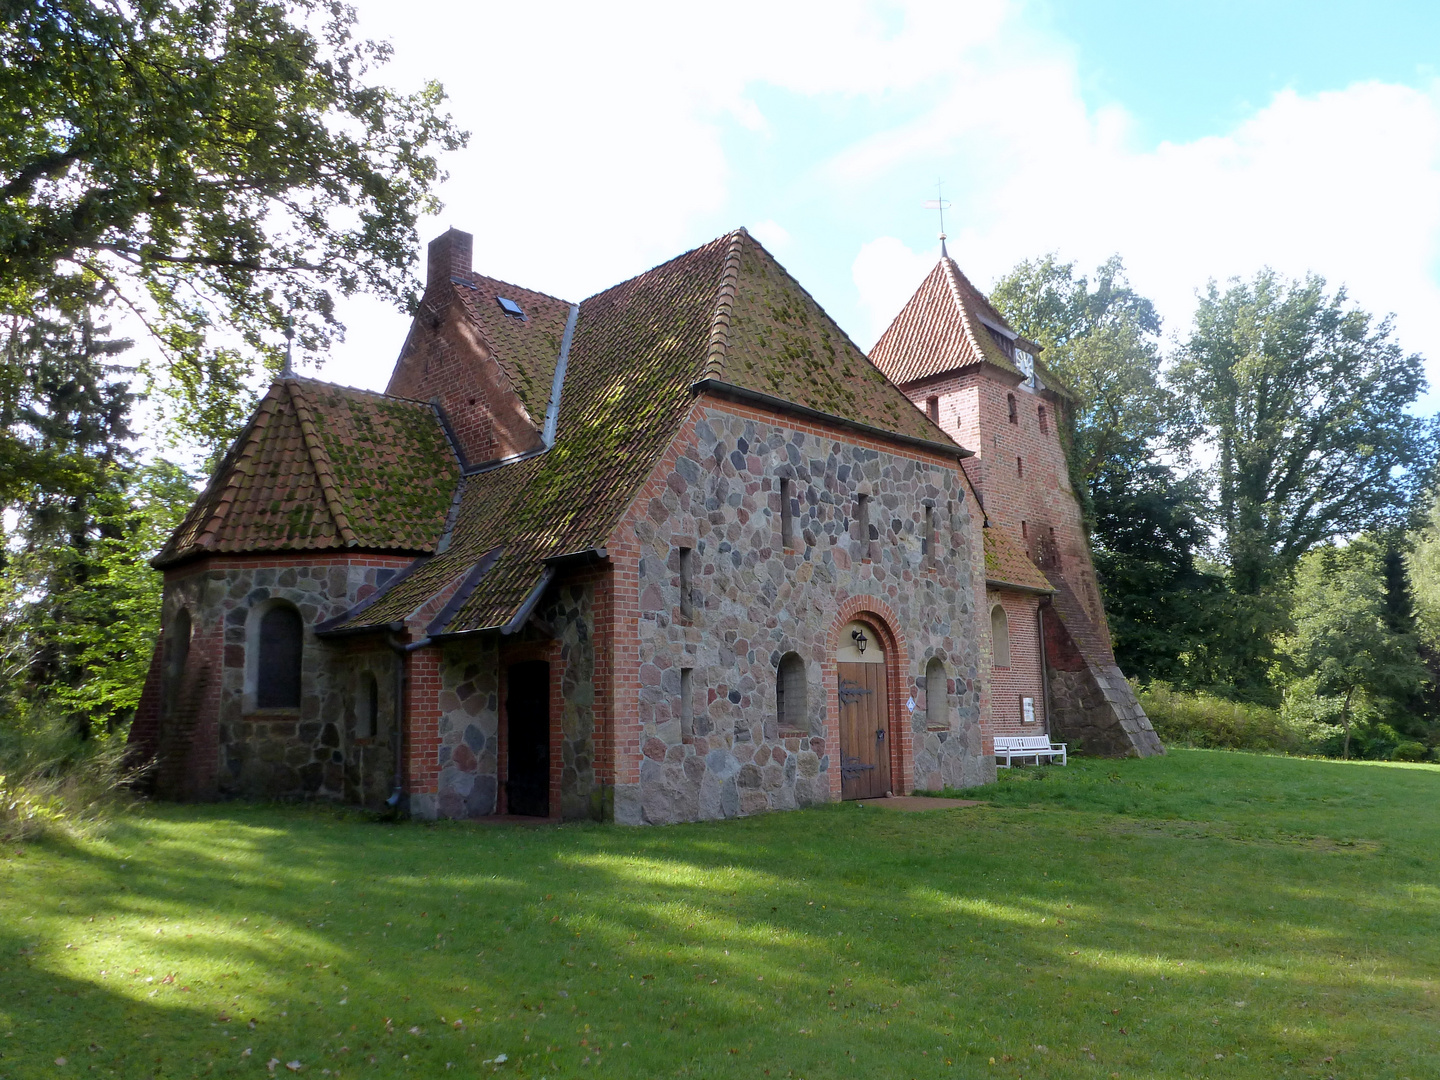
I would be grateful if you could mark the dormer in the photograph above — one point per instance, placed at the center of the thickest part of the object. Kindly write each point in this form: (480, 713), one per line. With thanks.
(485, 352)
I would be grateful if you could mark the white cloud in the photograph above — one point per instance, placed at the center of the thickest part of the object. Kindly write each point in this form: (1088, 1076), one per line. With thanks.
(1345, 183)
(887, 273)
(607, 137)
(773, 235)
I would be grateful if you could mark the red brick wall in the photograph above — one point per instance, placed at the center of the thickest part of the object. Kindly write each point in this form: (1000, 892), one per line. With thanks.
(1038, 509)
(446, 360)
(1023, 678)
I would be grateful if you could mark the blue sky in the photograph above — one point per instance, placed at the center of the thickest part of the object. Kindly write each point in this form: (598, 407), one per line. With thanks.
(1187, 69)
(1196, 140)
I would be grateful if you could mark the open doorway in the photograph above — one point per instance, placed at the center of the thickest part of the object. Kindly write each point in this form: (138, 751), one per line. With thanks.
(527, 707)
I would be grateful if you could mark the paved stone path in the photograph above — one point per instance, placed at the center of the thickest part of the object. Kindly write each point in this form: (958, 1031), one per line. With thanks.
(917, 803)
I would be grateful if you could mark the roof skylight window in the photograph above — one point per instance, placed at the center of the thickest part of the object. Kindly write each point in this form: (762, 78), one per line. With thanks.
(510, 307)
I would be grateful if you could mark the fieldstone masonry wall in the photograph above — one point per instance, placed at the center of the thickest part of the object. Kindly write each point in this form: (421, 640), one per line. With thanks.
(469, 749)
(211, 744)
(471, 713)
(718, 494)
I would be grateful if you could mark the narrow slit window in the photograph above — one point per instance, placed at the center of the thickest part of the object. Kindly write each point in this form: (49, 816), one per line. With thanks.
(367, 708)
(927, 540)
(687, 583)
(862, 515)
(932, 408)
(937, 712)
(1014, 409)
(1019, 466)
(1000, 636)
(787, 513)
(1024, 531)
(790, 705)
(1044, 422)
(687, 703)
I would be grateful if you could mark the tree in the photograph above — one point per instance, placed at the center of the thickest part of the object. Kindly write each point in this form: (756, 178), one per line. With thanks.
(79, 615)
(220, 169)
(64, 411)
(1423, 572)
(1168, 615)
(1343, 636)
(1303, 397)
(1104, 344)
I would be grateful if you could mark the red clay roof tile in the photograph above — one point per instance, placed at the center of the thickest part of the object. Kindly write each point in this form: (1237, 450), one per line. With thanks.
(325, 466)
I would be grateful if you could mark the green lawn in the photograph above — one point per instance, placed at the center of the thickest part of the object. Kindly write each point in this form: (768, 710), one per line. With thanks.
(1203, 915)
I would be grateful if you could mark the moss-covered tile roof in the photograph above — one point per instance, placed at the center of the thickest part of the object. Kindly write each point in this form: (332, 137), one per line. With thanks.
(323, 466)
(725, 311)
(943, 328)
(1006, 564)
(777, 340)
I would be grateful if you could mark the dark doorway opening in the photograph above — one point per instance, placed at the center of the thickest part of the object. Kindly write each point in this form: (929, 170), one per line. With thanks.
(527, 706)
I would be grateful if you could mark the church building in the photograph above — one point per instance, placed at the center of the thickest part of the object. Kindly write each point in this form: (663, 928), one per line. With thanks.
(675, 552)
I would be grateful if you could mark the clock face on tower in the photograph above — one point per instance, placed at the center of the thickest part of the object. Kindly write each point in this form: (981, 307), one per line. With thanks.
(1026, 363)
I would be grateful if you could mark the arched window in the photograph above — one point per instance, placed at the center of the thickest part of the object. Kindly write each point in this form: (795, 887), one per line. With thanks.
(937, 712)
(1000, 636)
(367, 707)
(277, 672)
(790, 707)
(1014, 409)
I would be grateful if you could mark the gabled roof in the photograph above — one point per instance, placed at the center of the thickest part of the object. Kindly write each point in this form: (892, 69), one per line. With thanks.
(525, 348)
(1006, 564)
(942, 329)
(773, 338)
(725, 313)
(323, 466)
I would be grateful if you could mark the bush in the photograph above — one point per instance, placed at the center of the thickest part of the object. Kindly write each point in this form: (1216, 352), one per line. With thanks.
(1215, 723)
(50, 779)
(1410, 751)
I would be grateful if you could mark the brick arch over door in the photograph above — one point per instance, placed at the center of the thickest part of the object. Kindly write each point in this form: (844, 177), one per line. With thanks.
(897, 683)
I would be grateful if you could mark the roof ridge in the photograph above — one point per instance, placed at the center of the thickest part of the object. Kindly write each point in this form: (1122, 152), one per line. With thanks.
(244, 452)
(952, 272)
(347, 388)
(522, 288)
(321, 463)
(724, 307)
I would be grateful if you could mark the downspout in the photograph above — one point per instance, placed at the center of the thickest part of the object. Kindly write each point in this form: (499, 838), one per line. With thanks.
(402, 650)
(1044, 663)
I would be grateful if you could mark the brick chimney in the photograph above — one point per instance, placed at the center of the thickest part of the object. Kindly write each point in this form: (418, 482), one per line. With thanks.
(449, 256)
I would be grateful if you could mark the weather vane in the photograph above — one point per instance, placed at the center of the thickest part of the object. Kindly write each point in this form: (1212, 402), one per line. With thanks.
(939, 203)
(289, 370)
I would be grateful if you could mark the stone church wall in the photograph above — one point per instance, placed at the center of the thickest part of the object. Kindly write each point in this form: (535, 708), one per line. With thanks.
(470, 746)
(753, 600)
(212, 741)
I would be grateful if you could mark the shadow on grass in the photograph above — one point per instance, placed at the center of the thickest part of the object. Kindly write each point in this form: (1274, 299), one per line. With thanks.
(825, 943)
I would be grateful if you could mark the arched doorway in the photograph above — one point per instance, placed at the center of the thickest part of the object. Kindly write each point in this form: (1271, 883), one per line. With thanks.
(864, 719)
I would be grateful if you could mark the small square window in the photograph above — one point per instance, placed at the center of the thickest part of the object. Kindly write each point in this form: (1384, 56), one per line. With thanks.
(510, 308)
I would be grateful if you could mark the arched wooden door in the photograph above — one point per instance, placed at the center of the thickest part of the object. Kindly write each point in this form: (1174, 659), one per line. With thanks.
(864, 714)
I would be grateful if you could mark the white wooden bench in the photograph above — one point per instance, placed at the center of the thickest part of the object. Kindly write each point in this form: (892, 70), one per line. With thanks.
(1024, 746)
